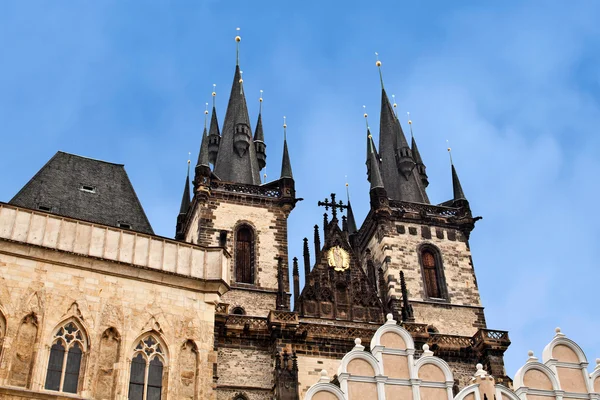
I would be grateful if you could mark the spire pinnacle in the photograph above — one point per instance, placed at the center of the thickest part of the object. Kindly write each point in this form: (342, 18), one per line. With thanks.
(376, 181)
(395, 106)
(409, 123)
(378, 64)
(286, 165)
(185, 200)
(259, 138)
(238, 39)
(205, 116)
(366, 116)
(350, 214)
(260, 100)
(457, 189)
(449, 152)
(214, 94)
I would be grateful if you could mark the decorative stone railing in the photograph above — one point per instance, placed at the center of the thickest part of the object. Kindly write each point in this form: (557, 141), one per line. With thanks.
(100, 241)
(490, 337)
(428, 209)
(245, 189)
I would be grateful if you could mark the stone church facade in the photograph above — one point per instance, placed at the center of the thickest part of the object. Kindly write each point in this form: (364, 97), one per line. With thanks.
(94, 305)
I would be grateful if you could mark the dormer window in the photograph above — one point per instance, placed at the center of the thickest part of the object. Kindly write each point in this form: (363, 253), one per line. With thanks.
(123, 225)
(43, 207)
(88, 188)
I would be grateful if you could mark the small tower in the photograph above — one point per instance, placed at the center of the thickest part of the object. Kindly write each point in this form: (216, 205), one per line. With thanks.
(214, 135)
(259, 138)
(234, 210)
(185, 206)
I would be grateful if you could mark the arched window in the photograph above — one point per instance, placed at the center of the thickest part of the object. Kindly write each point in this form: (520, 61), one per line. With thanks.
(244, 255)
(238, 311)
(433, 273)
(147, 369)
(64, 365)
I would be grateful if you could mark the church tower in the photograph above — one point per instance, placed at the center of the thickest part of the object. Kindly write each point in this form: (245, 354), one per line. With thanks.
(232, 209)
(418, 253)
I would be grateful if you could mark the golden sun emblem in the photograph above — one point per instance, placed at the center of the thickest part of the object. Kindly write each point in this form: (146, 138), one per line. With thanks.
(338, 258)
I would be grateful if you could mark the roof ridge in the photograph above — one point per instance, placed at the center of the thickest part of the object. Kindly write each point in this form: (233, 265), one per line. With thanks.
(90, 158)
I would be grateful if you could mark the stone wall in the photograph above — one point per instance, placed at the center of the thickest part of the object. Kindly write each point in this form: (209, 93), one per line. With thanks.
(222, 212)
(310, 370)
(397, 249)
(114, 304)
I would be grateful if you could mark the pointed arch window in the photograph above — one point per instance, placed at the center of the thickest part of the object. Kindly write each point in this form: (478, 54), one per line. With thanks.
(433, 273)
(66, 358)
(244, 255)
(147, 372)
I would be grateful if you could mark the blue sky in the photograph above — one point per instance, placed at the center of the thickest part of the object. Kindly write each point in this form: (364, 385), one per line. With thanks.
(514, 86)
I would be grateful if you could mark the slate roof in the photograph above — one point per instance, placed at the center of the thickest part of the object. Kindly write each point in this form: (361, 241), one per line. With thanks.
(108, 200)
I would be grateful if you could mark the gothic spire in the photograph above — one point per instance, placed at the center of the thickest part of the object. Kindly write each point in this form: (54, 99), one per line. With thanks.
(185, 200)
(456, 186)
(236, 160)
(375, 174)
(286, 165)
(214, 135)
(259, 138)
(351, 221)
(397, 164)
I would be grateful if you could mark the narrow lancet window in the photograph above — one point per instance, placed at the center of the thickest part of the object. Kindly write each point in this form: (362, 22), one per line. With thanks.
(433, 274)
(244, 255)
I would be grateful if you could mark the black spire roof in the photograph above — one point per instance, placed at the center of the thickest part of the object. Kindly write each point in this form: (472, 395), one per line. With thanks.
(456, 186)
(351, 221)
(236, 160)
(375, 174)
(203, 159)
(185, 199)
(398, 172)
(214, 136)
(86, 189)
(286, 165)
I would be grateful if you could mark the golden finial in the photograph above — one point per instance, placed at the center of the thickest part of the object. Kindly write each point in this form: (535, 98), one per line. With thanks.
(395, 105)
(284, 128)
(410, 124)
(449, 152)
(188, 163)
(214, 93)
(205, 115)
(265, 177)
(260, 100)
(238, 39)
(241, 79)
(378, 63)
(366, 116)
(347, 190)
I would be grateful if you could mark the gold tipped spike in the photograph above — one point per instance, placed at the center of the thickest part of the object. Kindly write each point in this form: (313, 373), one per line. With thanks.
(395, 105)
(449, 152)
(214, 93)
(205, 115)
(378, 63)
(410, 124)
(260, 101)
(238, 39)
(366, 116)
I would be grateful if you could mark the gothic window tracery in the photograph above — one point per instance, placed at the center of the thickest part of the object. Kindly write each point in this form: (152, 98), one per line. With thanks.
(244, 255)
(433, 273)
(65, 362)
(147, 369)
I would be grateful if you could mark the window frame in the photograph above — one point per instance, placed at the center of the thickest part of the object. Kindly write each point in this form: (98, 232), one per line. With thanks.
(68, 344)
(162, 356)
(252, 249)
(439, 270)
